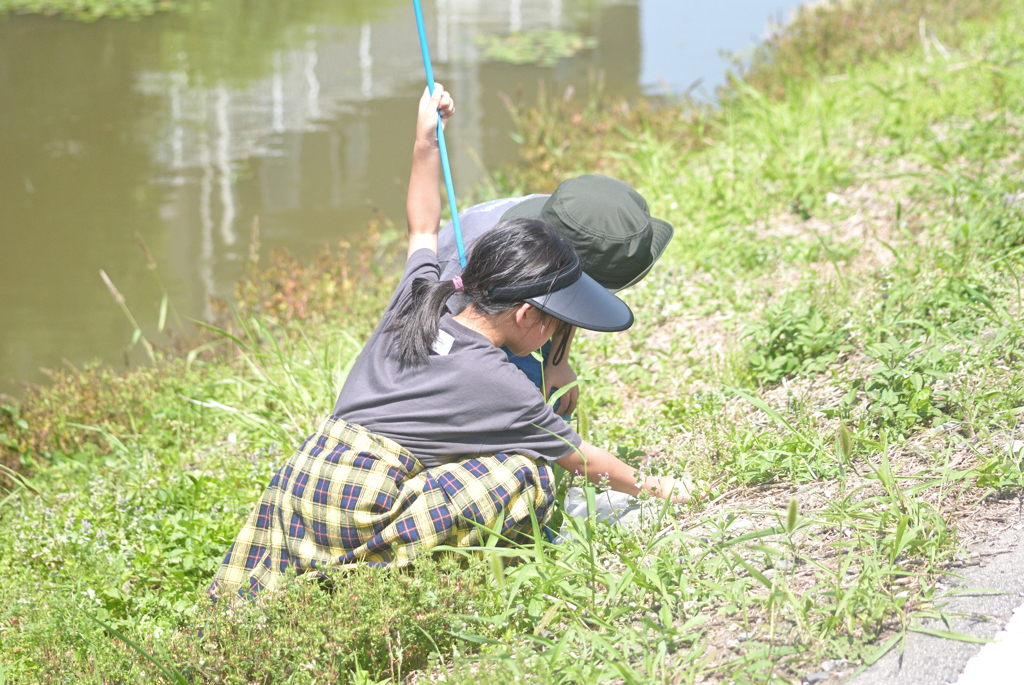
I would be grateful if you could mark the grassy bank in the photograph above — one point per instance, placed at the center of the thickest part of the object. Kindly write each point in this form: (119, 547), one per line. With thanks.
(89, 10)
(833, 341)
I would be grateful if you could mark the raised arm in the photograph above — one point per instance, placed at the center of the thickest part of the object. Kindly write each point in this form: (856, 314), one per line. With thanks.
(598, 464)
(423, 203)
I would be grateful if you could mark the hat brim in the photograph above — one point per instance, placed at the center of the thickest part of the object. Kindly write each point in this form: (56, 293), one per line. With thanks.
(529, 208)
(661, 235)
(587, 304)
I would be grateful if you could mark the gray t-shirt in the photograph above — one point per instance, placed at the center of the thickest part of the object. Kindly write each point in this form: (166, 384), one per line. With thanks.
(468, 400)
(473, 222)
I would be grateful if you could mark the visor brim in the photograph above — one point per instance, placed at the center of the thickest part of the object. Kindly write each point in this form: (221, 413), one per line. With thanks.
(586, 304)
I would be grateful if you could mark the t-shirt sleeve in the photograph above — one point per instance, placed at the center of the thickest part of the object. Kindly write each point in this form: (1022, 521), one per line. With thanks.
(474, 222)
(554, 438)
(544, 434)
(422, 264)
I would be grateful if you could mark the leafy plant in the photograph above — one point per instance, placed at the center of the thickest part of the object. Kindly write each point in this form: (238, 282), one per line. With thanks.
(900, 388)
(792, 337)
(383, 622)
(1002, 474)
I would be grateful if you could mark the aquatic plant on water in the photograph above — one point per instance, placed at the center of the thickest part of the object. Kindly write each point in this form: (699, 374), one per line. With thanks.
(541, 47)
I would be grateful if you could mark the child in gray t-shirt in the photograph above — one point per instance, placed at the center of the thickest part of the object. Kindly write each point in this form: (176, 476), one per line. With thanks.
(464, 400)
(436, 435)
(438, 384)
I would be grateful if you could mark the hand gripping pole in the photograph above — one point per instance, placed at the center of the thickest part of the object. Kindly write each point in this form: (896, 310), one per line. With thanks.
(445, 166)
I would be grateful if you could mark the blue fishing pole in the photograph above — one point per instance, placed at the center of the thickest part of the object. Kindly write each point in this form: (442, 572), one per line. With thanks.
(440, 137)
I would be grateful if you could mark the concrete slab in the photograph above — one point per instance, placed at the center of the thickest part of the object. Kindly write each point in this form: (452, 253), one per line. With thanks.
(994, 565)
(999, 661)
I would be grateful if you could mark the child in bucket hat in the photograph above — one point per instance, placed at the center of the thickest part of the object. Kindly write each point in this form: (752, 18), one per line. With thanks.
(610, 226)
(435, 436)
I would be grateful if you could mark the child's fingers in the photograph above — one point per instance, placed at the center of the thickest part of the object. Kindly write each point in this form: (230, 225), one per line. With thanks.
(426, 97)
(446, 106)
(677, 490)
(566, 404)
(696, 490)
(572, 399)
(672, 489)
(681, 490)
(438, 95)
(430, 101)
(433, 105)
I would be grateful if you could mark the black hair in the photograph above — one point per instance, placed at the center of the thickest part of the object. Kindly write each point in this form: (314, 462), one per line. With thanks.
(514, 252)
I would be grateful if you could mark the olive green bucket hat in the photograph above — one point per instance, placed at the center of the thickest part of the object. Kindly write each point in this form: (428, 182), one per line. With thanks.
(609, 224)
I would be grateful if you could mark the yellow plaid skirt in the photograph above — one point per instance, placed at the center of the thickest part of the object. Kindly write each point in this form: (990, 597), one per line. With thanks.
(348, 496)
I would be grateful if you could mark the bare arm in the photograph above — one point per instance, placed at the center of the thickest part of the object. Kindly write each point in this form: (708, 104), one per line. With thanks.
(423, 202)
(597, 464)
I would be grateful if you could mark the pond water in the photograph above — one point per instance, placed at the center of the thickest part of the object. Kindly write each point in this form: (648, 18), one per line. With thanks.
(185, 127)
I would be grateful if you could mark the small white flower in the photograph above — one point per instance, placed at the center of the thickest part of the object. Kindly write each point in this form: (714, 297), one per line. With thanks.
(232, 438)
(92, 595)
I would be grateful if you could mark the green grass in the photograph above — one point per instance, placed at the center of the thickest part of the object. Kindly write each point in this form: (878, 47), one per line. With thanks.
(833, 341)
(89, 10)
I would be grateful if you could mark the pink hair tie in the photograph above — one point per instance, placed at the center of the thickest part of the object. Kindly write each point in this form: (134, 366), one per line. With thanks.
(457, 281)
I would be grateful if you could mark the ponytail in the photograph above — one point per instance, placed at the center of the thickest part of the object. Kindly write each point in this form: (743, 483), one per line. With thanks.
(416, 326)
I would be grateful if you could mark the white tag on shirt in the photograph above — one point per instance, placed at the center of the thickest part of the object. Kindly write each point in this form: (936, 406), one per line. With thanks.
(443, 344)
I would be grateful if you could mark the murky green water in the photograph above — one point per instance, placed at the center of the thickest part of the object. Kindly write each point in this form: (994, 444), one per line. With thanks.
(184, 128)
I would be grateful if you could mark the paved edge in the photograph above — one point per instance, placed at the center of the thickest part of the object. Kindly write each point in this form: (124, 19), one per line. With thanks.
(999, 661)
(926, 659)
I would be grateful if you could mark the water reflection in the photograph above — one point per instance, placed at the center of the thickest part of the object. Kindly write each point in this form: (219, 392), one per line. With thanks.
(316, 144)
(185, 128)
